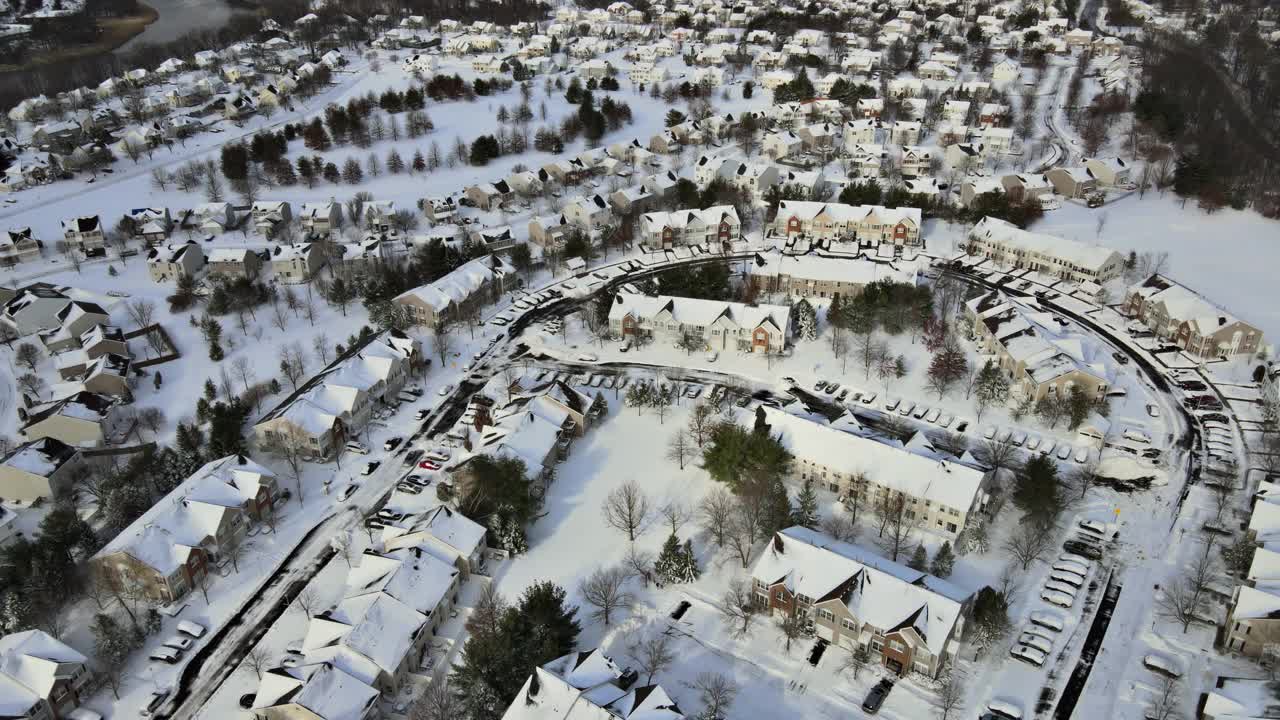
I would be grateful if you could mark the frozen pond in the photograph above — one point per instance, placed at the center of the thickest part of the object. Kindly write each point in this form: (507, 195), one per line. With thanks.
(178, 17)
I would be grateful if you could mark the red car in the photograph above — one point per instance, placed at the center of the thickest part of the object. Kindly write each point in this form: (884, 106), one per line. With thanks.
(428, 465)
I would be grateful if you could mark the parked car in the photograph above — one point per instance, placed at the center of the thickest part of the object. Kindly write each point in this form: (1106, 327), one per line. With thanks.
(357, 448)
(411, 457)
(868, 398)
(421, 414)
(1160, 664)
(1028, 655)
(370, 467)
(844, 393)
(905, 408)
(587, 357)
(1067, 578)
(1064, 588)
(1120, 358)
(177, 642)
(159, 699)
(409, 488)
(1094, 526)
(1035, 641)
(429, 465)
(1082, 548)
(1072, 567)
(439, 455)
(876, 697)
(448, 388)
(165, 655)
(392, 443)
(1064, 451)
(191, 629)
(712, 356)
(1062, 600)
(1137, 436)
(1047, 620)
(347, 492)
(1001, 709)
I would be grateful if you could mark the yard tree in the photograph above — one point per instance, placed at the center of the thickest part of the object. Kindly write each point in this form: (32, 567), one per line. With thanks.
(919, 559)
(1037, 491)
(1028, 544)
(653, 654)
(738, 607)
(701, 423)
(806, 320)
(111, 648)
(715, 512)
(990, 388)
(897, 525)
(943, 561)
(946, 368)
(716, 692)
(805, 511)
(604, 589)
(28, 354)
(792, 628)
(626, 509)
(990, 618)
(676, 563)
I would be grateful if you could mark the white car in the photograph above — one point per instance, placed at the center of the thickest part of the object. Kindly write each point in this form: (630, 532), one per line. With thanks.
(712, 356)
(1047, 620)
(587, 357)
(989, 432)
(1093, 526)
(1067, 566)
(357, 448)
(1004, 709)
(1064, 452)
(1035, 641)
(1033, 442)
(1062, 600)
(193, 629)
(177, 642)
(1060, 587)
(1067, 578)
(445, 390)
(1153, 411)
(347, 492)
(1028, 654)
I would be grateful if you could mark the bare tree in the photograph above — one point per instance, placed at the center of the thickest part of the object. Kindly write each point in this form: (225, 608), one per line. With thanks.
(951, 692)
(1028, 544)
(293, 363)
(855, 659)
(626, 509)
(604, 590)
(639, 563)
(438, 703)
(999, 452)
(151, 418)
(244, 369)
(320, 344)
(279, 315)
(653, 654)
(715, 512)
(675, 513)
(716, 692)
(701, 422)
(739, 607)
(29, 355)
(31, 384)
(792, 628)
(257, 660)
(898, 523)
(1168, 702)
(308, 601)
(839, 528)
(679, 449)
(141, 312)
(1183, 600)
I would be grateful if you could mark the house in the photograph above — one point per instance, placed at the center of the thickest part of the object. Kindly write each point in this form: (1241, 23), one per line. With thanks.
(1074, 183)
(168, 263)
(151, 224)
(320, 218)
(915, 160)
(964, 156)
(445, 534)
(1109, 172)
(994, 140)
(40, 469)
(775, 79)
(528, 183)
(836, 221)
(1041, 363)
(942, 492)
(712, 324)
(869, 107)
(1180, 315)
(860, 132)
(974, 186)
(865, 159)
(908, 620)
(234, 262)
(439, 209)
(84, 233)
(1026, 186)
(70, 322)
(589, 212)
(315, 690)
(93, 343)
(214, 218)
(813, 276)
(632, 199)
(41, 678)
(176, 545)
(461, 293)
(18, 245)
(1253, 620)
(338, 402)
(297, 263)
(35, 307)
(718, 223)
(549, 231)
(1007, 244)
(934, 70)
(488, 196)
(269, 215)
(108, 375)
(1005, 72)
(83, 419)
(361, 257)
(818, 138)
(782, 144)
(588, 684)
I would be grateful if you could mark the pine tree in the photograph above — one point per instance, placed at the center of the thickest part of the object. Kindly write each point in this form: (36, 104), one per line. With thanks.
(806, 319)
(943, 562)
(666, 567)
(805, 513)
(919, 559)
(419, 162)
(395, 163)
(689, 570)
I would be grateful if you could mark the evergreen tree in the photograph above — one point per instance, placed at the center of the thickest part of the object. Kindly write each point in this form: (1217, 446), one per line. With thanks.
(806, 319)
(1037, 492)
(665, 567)
(419, 162)
(806, 508)
(943, 562)
(919, 559)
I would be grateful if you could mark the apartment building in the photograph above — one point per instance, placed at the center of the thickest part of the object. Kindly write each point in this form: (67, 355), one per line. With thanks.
(1008, 245)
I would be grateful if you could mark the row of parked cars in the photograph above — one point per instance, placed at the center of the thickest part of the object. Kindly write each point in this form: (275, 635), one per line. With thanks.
(905, 408)
(1034, 443)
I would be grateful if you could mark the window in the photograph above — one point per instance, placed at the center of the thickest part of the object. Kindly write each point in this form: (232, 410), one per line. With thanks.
(803, 599)
(827, 615)
(780, 596)
(849, 625)
(897, 646)
(876, 645)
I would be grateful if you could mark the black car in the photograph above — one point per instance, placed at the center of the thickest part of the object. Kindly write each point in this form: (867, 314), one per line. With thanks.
(1120, 358)
(411, 458)
(875, 698)
(1083, 549)
(392, 443)
(246, 700)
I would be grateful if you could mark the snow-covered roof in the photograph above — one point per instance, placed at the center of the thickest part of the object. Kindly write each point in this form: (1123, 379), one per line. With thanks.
(930, 476)
(31, 663)
(364, 635)
(849, 270)
(1241, 699)
(1003, 232)
(585, 686)
(415, 578)
(1256, 604)
(40, 457)
(839, 212)
(693, 311)
(677, 219)
(458, 285)
(876, 590)
(327, 691)
(1184, 304)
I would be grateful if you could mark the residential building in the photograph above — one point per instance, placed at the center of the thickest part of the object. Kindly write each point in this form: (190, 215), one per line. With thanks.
(70, 322)
(1026, 186)
(18, 245)
(717, 325)
(1180, 315)
(41, 678)
(338, 402)
(488, 196)
(1074, 182)
(865, 224)
(214, 218)
(549, 231)
(175, 545)
(446, 535)
(907, 620)
(1008, 245)
(1253, 620)
(40, 469)
(591, 212)
(782, 144)
(297, 263)
(1109, 172)
(812, 276)
(35, 307)
(234, 262)
(588, 684)
(268, 216)
(82, 420)
(84, 233)
(461, 293)
(169, 263)
(718, 223)
(1238, 698)
(1041, 362)
(320, 217)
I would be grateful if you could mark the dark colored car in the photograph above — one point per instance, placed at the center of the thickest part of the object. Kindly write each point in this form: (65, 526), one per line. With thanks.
(1082, 548)
(411, 458)
(875, 698)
